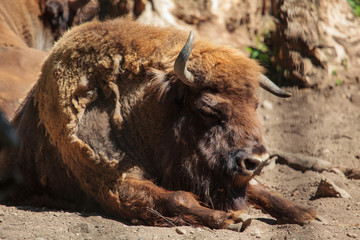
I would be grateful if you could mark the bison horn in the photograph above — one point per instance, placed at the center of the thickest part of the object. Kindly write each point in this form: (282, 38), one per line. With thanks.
(269, 86)
(180, 63)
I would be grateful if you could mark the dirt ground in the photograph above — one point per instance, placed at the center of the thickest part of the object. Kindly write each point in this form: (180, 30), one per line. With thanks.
(321, 123)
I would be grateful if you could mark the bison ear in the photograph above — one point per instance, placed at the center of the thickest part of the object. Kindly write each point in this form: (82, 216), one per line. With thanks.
(169, 90)
(175, 93)
(181, 91)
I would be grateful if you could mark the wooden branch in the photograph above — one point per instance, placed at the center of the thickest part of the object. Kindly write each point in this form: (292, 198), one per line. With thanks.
(301, 162)
(304, 163)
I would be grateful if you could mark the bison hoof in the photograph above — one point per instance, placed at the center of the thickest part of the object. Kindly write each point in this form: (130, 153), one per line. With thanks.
(240, 222)
(309, 215)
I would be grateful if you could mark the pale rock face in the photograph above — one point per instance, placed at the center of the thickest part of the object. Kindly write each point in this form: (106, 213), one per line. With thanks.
(317, 40)
(236, 23)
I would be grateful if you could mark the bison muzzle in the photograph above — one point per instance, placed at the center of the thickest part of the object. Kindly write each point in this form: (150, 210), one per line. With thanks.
(152, 130)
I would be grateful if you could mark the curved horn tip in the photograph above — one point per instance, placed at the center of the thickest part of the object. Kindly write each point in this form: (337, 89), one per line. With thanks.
(191, 36)
(186, 50)
(271, 87)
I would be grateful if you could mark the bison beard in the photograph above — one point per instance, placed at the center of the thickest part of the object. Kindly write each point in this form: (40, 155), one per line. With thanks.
(111, 119)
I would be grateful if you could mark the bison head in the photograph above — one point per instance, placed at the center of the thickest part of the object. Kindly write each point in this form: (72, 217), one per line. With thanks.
(218, 144)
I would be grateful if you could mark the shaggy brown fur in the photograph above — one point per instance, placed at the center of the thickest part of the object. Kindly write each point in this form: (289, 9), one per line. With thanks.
(109, 116)
(28, 28)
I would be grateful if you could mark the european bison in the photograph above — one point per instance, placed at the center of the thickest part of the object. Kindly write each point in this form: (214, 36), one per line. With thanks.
(28, 28)
(154, 132)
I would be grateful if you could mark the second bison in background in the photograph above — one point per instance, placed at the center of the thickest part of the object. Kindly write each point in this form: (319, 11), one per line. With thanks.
(153, 131)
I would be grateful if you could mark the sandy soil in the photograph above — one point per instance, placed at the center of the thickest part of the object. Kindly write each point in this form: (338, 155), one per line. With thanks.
(321, 123)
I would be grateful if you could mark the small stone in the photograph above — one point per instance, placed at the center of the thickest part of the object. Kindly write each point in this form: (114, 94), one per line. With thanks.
(267, 105)
(352, 235)
(180, 231)
(324, 152)
(337, 171)
(256, 233)
(295, 192)
(1, 220)
(353, 173)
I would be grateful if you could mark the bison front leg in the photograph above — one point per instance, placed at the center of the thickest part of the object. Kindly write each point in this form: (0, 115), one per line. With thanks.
(141, 201)
(277, 206)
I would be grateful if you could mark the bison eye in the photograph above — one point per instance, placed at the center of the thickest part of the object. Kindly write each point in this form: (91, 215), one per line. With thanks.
(209, 114)
(212, 109)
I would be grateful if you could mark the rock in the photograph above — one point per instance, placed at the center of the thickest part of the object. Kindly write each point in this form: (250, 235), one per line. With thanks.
(325, 152)
(308, 43)
(353, 173)
(327, 188)
(180, 231)
(295, 192)
(267, 105)
(256, 233)
(352, 235)
(337, 171)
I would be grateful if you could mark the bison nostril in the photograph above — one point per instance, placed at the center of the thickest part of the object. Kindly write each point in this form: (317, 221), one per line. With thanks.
(251, 164)
(245, 161)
